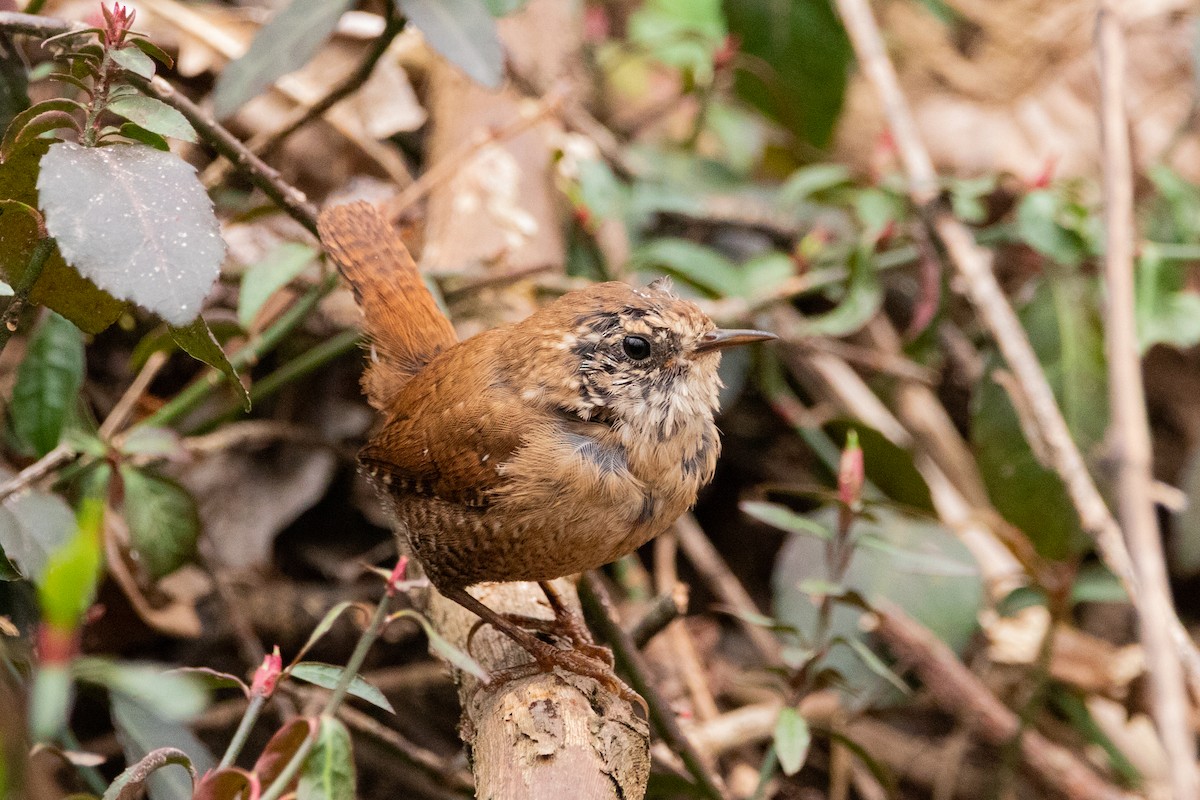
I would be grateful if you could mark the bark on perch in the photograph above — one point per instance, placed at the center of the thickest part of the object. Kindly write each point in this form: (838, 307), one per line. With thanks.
(531, 738)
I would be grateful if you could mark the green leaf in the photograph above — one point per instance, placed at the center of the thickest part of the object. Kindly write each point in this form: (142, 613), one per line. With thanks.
(14, 134)
(162, 518)
(1063, 323)
(680, 33)
(328, 675)
(128, 783)
(741, 132)
(268, 276)
(109, 211)
(59, 287)
(700, 266)
(69, 580)
(946, 601)
(134, 60)
(33, 524)
(153, 115)
(863, 298)
(1095, 584)
(50, 700)
(48, 383)
(502, 8)
(328, 772)
(43, 123)
(141, 729)
(151, 49)
(1050, 224)
(792, 739)
(173, 694)
(967, 194)
(806, 183)
(461, 31)
(287, 42)
(198, 341)
(1167, 312)
(600, 191)
(801, 61)
(138, 133)
(456, 658)
(153, 442)
(331, 616)
(874, 663)
(785, 519)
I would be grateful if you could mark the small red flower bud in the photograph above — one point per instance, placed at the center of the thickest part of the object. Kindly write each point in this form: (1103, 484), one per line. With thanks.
(583, 216)
(724, 54)
(1043, 178)
(267, 674)
(56, 646)
(397, 577)
(851, 472)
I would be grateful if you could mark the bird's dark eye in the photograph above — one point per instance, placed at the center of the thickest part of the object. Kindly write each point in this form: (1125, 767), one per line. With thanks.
(636, 347)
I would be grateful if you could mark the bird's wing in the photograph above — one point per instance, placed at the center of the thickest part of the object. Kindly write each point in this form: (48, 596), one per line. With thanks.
(446, 442)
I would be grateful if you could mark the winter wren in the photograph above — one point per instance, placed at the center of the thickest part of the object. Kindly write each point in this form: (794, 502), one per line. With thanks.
(538, 449)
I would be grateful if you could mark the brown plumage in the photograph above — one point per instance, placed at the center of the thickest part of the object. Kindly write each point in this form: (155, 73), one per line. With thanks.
(538, 449)
(403, 323)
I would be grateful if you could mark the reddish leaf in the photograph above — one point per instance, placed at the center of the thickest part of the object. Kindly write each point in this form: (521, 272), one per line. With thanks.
(282, 747)
(229, 783)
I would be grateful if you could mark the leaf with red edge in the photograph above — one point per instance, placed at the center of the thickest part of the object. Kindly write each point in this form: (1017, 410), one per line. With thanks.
(230, 783)
(282, 746)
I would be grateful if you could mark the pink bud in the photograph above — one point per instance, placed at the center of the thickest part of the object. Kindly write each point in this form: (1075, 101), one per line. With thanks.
(267, 675)
(1046, 175)
(397, 576)
(851, 472)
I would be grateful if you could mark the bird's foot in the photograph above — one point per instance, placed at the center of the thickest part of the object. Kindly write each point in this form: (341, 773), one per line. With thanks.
(579, 662)
(567, 628)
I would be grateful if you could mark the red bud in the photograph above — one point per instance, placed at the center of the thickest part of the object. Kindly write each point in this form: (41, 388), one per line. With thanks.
(267, 674)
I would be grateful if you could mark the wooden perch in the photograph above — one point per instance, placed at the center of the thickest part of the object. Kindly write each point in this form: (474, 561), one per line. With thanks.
(532, 737)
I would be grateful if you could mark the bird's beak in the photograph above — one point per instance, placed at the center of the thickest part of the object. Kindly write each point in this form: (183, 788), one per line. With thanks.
(722, 338)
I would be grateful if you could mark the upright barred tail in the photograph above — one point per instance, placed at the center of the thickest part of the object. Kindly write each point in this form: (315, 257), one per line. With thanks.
(405, 326)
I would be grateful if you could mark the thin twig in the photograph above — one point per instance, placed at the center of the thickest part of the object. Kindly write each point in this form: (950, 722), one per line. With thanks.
(664, 610)
(266, 178)
(959, 692)
(124, 408)
(34, 25)
(427, 760)
(985, 294)
(1129, 436)
(725, 585)
(594, 594)
(265, 142)
(58, 457)
(33, 271)
(261, 174)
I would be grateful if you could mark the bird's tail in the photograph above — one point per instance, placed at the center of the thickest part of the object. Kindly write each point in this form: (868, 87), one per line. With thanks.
(405, 326)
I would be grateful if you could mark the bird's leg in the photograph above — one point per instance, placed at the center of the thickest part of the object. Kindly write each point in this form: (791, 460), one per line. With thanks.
(565, 625)
(546, 656)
